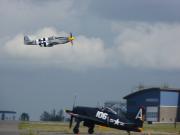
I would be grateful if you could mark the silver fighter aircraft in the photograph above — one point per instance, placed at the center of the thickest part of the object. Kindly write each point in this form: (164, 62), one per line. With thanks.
(49, 41)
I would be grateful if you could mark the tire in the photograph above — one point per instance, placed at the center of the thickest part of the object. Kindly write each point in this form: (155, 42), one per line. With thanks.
(90, 130)
(76, 130)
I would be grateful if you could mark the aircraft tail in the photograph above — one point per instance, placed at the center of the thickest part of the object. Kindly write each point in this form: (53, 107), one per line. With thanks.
(139, 118)
(26, 40)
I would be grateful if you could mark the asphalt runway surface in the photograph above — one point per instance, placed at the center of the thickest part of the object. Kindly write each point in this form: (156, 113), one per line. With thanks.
(9, 128)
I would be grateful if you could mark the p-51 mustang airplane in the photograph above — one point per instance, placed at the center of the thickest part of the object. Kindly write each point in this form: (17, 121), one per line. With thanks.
(49, 41)
(105, 117)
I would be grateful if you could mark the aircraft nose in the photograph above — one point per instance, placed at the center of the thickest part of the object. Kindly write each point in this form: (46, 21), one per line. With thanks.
(71, 38)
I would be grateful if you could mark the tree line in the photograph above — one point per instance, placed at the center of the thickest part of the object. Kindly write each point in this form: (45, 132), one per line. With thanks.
(53, 115)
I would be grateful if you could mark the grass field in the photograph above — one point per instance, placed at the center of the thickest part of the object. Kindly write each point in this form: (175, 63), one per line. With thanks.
(38, 128)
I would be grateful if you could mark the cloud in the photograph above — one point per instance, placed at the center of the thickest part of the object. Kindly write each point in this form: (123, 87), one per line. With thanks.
(86, 52)
(148, 45)
(137, 45)
(139, 10)
(28, 16)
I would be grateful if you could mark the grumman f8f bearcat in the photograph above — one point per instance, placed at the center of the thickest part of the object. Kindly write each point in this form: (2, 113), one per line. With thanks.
(105, 117)
(49, 41)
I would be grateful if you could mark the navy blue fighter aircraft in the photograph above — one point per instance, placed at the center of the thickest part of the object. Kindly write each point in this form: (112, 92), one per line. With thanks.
(105, 117)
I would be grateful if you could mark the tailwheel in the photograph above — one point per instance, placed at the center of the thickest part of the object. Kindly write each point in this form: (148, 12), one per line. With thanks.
(91, 130)
(76, 130)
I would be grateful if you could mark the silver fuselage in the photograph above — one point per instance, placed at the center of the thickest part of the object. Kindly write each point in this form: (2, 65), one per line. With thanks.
(47, 42)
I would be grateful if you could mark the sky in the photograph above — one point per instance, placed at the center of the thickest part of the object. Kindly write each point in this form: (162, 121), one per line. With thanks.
(119, 45)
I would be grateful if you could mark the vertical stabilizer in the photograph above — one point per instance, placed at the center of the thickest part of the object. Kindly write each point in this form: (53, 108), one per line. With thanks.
(26, 40)
(139, 118)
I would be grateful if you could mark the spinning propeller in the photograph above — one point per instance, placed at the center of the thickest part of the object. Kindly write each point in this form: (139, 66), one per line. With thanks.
(71, 119)
(71, 38)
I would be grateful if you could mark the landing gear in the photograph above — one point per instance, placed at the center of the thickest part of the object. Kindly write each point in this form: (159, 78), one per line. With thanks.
(90, 126)
(76, 128)
(91, 130)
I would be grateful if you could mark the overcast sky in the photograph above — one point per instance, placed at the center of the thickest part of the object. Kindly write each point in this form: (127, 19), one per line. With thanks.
(119, 45)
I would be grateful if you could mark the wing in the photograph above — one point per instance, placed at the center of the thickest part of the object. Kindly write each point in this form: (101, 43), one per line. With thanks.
(83, 117)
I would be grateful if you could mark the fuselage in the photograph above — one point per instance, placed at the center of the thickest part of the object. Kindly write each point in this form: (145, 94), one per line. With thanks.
(106, 117)
(50, 41)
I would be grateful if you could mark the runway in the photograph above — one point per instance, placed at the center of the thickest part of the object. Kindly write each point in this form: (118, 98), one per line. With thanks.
(9, 128)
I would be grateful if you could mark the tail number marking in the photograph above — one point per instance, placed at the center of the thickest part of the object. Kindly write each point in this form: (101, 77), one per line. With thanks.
(139, 114)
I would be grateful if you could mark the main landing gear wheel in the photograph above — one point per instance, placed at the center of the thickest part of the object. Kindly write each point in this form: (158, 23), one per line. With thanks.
(129, 133)
(76, 130)
(90, 130)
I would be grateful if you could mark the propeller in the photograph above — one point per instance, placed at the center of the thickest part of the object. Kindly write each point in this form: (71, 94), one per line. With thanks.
(70, 34)
(71, 119)
(71, 38)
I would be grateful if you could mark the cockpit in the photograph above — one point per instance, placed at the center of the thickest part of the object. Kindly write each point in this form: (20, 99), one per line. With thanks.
(52, 38)
(109, 110)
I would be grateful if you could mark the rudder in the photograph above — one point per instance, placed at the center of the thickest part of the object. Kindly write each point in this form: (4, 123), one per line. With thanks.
(26, 40)
(140, 116)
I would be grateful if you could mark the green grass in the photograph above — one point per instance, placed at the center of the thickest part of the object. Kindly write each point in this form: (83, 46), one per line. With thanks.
(36, 128)
(169, 128)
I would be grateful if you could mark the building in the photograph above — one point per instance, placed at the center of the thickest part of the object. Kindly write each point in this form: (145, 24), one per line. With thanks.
(161, 104)
(7, 115)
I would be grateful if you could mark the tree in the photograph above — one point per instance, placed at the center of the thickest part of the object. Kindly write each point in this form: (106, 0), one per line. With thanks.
(60, 115)
(24, 117)
(45, 116)
(165, 86)
(140, 86)
(53, 116)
